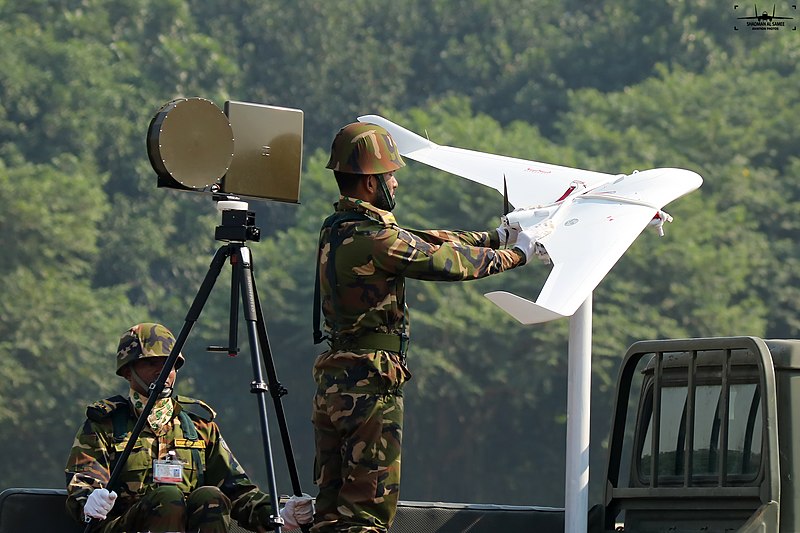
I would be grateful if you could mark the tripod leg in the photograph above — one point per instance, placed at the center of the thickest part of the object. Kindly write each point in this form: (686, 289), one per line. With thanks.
(277, 391)
(258, 386)
(158, 386)
(233, 324)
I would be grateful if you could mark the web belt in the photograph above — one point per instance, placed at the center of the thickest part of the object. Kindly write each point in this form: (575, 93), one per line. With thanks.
(389, 342)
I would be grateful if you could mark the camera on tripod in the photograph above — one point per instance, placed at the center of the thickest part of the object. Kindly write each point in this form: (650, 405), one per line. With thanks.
(251, 150)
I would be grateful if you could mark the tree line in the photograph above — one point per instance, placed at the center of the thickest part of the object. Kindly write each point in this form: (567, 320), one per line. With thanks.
(91, 245)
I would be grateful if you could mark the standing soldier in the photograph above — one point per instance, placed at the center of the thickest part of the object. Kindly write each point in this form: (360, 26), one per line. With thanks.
(364, 258)
(180, 476)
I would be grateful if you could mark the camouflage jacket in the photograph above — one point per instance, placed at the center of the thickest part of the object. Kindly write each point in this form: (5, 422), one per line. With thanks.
(104, 436)
(365, 257)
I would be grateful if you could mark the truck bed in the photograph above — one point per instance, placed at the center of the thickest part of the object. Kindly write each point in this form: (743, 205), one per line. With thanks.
(26, 510)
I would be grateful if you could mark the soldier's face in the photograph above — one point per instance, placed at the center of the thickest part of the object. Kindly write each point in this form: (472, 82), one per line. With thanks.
(391, 182)
(149, 368)
(380, 201)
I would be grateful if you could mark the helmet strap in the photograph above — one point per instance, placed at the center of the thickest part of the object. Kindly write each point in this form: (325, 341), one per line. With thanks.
(166, 392)
(385, 188)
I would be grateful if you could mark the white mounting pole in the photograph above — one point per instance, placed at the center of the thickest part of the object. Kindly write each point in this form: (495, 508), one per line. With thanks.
(579, 388)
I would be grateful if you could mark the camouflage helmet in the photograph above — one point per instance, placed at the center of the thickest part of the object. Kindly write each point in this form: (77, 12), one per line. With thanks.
(363, 148)
(145, 340)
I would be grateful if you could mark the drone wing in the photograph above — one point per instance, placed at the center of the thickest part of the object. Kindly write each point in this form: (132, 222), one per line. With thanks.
(529, 182)
(590, 235)
(591, 230)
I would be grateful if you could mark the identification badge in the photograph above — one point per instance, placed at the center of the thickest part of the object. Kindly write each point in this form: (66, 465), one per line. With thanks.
(168, 471)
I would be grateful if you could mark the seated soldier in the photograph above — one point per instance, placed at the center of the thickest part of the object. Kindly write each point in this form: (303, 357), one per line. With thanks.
(180, 475)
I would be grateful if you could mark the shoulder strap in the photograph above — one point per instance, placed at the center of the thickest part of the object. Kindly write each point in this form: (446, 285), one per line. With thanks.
(115, 408)
(331, 223)
(119, 419)
(103, 408)
(199, 408)
(190, 433)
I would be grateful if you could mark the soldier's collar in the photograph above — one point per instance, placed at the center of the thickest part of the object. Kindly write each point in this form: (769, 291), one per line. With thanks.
(346, 203)
(161, 414)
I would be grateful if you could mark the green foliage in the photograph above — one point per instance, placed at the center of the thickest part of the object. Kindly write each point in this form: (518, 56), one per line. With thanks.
(56, 328)
(716, 124)
(91, 246)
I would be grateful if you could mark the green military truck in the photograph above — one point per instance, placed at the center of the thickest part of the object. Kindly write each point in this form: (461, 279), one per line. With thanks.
(703, 437)
(702, 440)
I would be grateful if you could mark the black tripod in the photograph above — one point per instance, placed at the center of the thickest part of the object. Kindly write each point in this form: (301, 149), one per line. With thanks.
(238, 226)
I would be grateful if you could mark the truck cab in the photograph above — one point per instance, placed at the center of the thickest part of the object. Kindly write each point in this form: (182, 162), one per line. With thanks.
(703, 437)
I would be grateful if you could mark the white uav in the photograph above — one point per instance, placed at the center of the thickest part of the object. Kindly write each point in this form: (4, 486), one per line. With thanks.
(595, 216)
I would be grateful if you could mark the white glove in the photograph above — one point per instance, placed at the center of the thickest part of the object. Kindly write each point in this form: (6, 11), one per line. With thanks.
(99, 503)
(298, 510)
(507, 233)
(527, 241)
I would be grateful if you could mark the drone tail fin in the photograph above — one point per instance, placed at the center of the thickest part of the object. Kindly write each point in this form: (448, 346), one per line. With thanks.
(525, 311)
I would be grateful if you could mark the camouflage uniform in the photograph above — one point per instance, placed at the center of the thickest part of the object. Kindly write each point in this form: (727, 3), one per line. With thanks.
(214, 487)
(358, 406)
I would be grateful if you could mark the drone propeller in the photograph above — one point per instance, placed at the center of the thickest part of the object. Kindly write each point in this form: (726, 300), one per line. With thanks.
(506, 206)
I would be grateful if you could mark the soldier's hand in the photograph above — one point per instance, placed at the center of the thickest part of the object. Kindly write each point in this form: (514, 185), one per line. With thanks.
(507, 233)
(298, 510)
(99, 503)
(527, 241)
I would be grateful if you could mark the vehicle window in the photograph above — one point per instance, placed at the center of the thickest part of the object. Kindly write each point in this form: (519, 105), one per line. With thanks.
(743, 455)
(744, 430)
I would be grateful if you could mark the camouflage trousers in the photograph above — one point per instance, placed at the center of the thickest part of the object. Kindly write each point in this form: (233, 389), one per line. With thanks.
(164, 508)
(358, 425)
